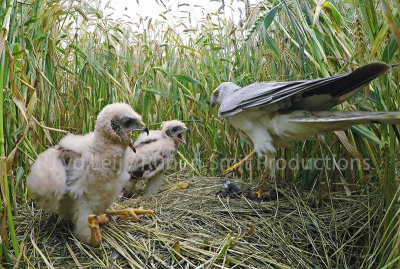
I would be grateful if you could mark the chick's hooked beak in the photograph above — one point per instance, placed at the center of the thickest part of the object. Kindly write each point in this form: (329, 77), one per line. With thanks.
(132, 147)
(180, 136)
(145, 129)
(123, 126)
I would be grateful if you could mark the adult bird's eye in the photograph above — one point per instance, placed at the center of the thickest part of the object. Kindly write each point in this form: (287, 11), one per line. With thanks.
(216, 93)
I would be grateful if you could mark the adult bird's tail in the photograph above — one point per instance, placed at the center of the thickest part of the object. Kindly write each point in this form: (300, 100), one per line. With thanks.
(313, 122)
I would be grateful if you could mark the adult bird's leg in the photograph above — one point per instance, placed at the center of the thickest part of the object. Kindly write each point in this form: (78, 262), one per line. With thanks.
(93, 223)
(129, 212)
(237, 165)
(260, 190)
(268, 172)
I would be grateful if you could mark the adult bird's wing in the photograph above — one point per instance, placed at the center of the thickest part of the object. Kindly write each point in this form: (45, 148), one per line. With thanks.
(311, 95)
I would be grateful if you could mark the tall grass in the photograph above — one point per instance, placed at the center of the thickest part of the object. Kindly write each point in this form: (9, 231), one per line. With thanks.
(62, 61)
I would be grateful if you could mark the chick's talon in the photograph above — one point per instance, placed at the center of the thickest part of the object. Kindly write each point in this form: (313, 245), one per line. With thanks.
(180, 185)
(93, 223)
(184, 184)
(130, 212)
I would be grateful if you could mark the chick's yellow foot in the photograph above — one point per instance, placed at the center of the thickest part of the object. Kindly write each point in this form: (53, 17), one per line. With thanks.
(130, 212)
(93, 223)
(237, 165)
(181, 185)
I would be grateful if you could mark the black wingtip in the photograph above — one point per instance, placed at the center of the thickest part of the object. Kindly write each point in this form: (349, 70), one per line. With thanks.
(372, 70)
(364, 74)
(342, 87)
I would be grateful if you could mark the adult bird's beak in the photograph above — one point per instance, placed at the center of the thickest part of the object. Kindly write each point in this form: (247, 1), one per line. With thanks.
(212, 104)
(145, 129)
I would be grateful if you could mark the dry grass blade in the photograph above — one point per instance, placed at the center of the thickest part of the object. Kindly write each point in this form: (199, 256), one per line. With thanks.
(22, 250)
(349, 147)
(392, 22)
(73, 255)
(48, 264)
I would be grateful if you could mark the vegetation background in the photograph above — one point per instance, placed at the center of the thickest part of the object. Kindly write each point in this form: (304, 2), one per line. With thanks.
(62, 61)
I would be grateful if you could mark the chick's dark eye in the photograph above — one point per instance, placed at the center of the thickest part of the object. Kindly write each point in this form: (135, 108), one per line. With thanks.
(127, 122)
(174, 129)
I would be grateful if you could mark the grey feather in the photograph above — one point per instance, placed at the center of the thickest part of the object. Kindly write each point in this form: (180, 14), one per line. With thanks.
(326, 121)
(74, 166)
(311, 95)
(353, 117)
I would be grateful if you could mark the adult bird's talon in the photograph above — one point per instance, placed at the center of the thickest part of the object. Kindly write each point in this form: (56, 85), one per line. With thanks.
(230, 171)
(259, 194)
(236, 166)
(227, 172)
(260, 190)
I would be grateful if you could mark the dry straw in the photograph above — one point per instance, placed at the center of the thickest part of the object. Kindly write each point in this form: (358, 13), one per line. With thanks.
(194, 228)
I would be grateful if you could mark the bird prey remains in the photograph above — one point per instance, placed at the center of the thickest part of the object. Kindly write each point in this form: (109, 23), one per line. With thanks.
(81, 176)
(154, 153)
(271, 114)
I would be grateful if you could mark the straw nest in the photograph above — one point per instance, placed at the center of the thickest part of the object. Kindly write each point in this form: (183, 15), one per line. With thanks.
(195, 228)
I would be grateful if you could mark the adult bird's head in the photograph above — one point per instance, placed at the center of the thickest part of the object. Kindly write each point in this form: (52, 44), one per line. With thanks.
(175, 130)
(221, 92)
(116, 121)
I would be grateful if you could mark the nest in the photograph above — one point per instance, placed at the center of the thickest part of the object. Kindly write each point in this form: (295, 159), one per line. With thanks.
(196, 228)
